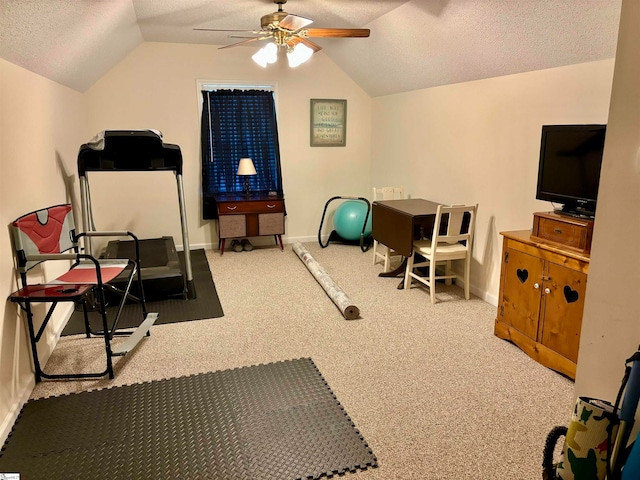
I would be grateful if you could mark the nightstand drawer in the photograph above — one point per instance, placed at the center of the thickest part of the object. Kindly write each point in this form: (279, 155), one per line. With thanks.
(249, 206)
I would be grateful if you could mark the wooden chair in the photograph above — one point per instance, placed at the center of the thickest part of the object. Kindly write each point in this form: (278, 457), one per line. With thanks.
(382, 253)
(455, 244)
(47, 235)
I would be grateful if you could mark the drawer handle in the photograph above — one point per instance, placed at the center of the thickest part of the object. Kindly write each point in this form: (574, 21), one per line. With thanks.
(557, 230)
(232, 208)
(271, 206)
(536, 286)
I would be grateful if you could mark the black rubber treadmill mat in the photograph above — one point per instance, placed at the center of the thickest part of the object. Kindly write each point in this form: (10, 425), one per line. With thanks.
(172, 310)
(273, 421)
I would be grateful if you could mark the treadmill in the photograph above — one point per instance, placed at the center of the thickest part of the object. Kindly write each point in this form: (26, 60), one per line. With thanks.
(140, 151)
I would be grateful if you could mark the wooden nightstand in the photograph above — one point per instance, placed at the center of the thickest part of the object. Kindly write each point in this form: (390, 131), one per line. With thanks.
(255, 216)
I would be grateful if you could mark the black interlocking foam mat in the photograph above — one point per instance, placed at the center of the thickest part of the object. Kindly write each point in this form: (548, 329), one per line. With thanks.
(270, 421)
(172, 310)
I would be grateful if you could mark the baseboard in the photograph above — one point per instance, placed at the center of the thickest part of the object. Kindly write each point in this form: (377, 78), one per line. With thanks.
(305, 239)
(25, 392)
(483, 295)
(10, 419)
(266, 240)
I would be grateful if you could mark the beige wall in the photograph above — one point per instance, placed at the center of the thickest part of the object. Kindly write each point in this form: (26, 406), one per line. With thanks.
(611, 327)
(41, 125)
(479, 142)
(155, 87)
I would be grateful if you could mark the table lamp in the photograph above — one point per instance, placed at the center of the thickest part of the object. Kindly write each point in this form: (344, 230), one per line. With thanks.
(246, 168)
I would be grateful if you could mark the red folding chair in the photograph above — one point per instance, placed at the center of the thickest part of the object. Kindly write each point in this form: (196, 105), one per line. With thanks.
(49, 235)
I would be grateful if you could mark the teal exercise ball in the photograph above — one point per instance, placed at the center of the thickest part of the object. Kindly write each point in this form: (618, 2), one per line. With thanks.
(349, 219)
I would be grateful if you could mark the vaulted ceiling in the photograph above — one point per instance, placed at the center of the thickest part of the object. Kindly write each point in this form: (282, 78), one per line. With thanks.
(413, 44)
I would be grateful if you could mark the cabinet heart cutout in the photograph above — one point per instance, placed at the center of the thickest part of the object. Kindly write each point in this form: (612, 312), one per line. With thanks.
(570, 295)
(522, 275)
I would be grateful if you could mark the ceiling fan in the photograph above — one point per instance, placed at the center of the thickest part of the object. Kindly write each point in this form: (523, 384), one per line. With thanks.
(288, 31)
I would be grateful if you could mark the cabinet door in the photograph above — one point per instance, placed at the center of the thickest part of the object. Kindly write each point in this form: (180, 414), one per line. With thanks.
(520, 302)
(563, 306)
(231, 226)
(271, 223)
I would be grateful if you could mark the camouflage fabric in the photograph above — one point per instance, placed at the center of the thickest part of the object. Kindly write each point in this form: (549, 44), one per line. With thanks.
(584, 454)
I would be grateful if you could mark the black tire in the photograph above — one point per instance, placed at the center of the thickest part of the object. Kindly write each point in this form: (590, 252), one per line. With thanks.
(548, 470)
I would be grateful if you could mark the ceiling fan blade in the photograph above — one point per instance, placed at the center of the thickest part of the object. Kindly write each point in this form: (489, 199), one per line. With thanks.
(335, 32)
(295, 40)
(313, 46)
(244, 42)
(259, 36)
(256, 32)
(294, 22)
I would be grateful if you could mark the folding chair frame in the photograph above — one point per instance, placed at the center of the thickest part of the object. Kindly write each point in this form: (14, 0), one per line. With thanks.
(79, 293)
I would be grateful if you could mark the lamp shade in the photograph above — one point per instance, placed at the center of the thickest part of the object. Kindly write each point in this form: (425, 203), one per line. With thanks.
(300, 54)
(246, 167)
(267, 54)
(260, 58)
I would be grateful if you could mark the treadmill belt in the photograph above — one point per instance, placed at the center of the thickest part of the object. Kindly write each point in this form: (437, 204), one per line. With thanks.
(153, 251)
(172, 310)
(160, 268)
(275, 421)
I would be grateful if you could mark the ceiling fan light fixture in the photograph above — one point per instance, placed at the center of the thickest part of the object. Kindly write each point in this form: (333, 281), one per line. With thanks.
(288, 31)
(300, 54)
(267, 54)
(260, 58)
(271, 52)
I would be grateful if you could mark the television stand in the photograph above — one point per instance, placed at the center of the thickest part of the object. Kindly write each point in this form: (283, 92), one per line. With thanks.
(570, 232)
(541, 300)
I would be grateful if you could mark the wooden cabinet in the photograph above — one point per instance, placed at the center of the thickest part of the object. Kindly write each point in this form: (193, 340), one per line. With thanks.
(541, 299)
(241, 217)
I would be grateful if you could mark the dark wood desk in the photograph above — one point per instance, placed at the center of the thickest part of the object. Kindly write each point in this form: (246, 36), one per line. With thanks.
(394, 222)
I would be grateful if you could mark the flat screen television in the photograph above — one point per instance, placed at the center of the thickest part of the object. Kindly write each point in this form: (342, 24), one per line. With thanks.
(569, 169)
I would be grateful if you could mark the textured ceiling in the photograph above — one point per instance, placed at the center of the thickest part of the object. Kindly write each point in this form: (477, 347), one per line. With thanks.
(413, 44)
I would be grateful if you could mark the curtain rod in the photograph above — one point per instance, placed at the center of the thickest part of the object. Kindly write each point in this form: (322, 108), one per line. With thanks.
(217, 86)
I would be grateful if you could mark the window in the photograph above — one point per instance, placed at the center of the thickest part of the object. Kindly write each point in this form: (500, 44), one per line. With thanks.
(237, 124)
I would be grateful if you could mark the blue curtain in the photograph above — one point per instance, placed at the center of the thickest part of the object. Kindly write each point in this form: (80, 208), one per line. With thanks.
(238, 124)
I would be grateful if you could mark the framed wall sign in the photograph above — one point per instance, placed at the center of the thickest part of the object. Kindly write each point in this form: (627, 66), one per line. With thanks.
(328, 123)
